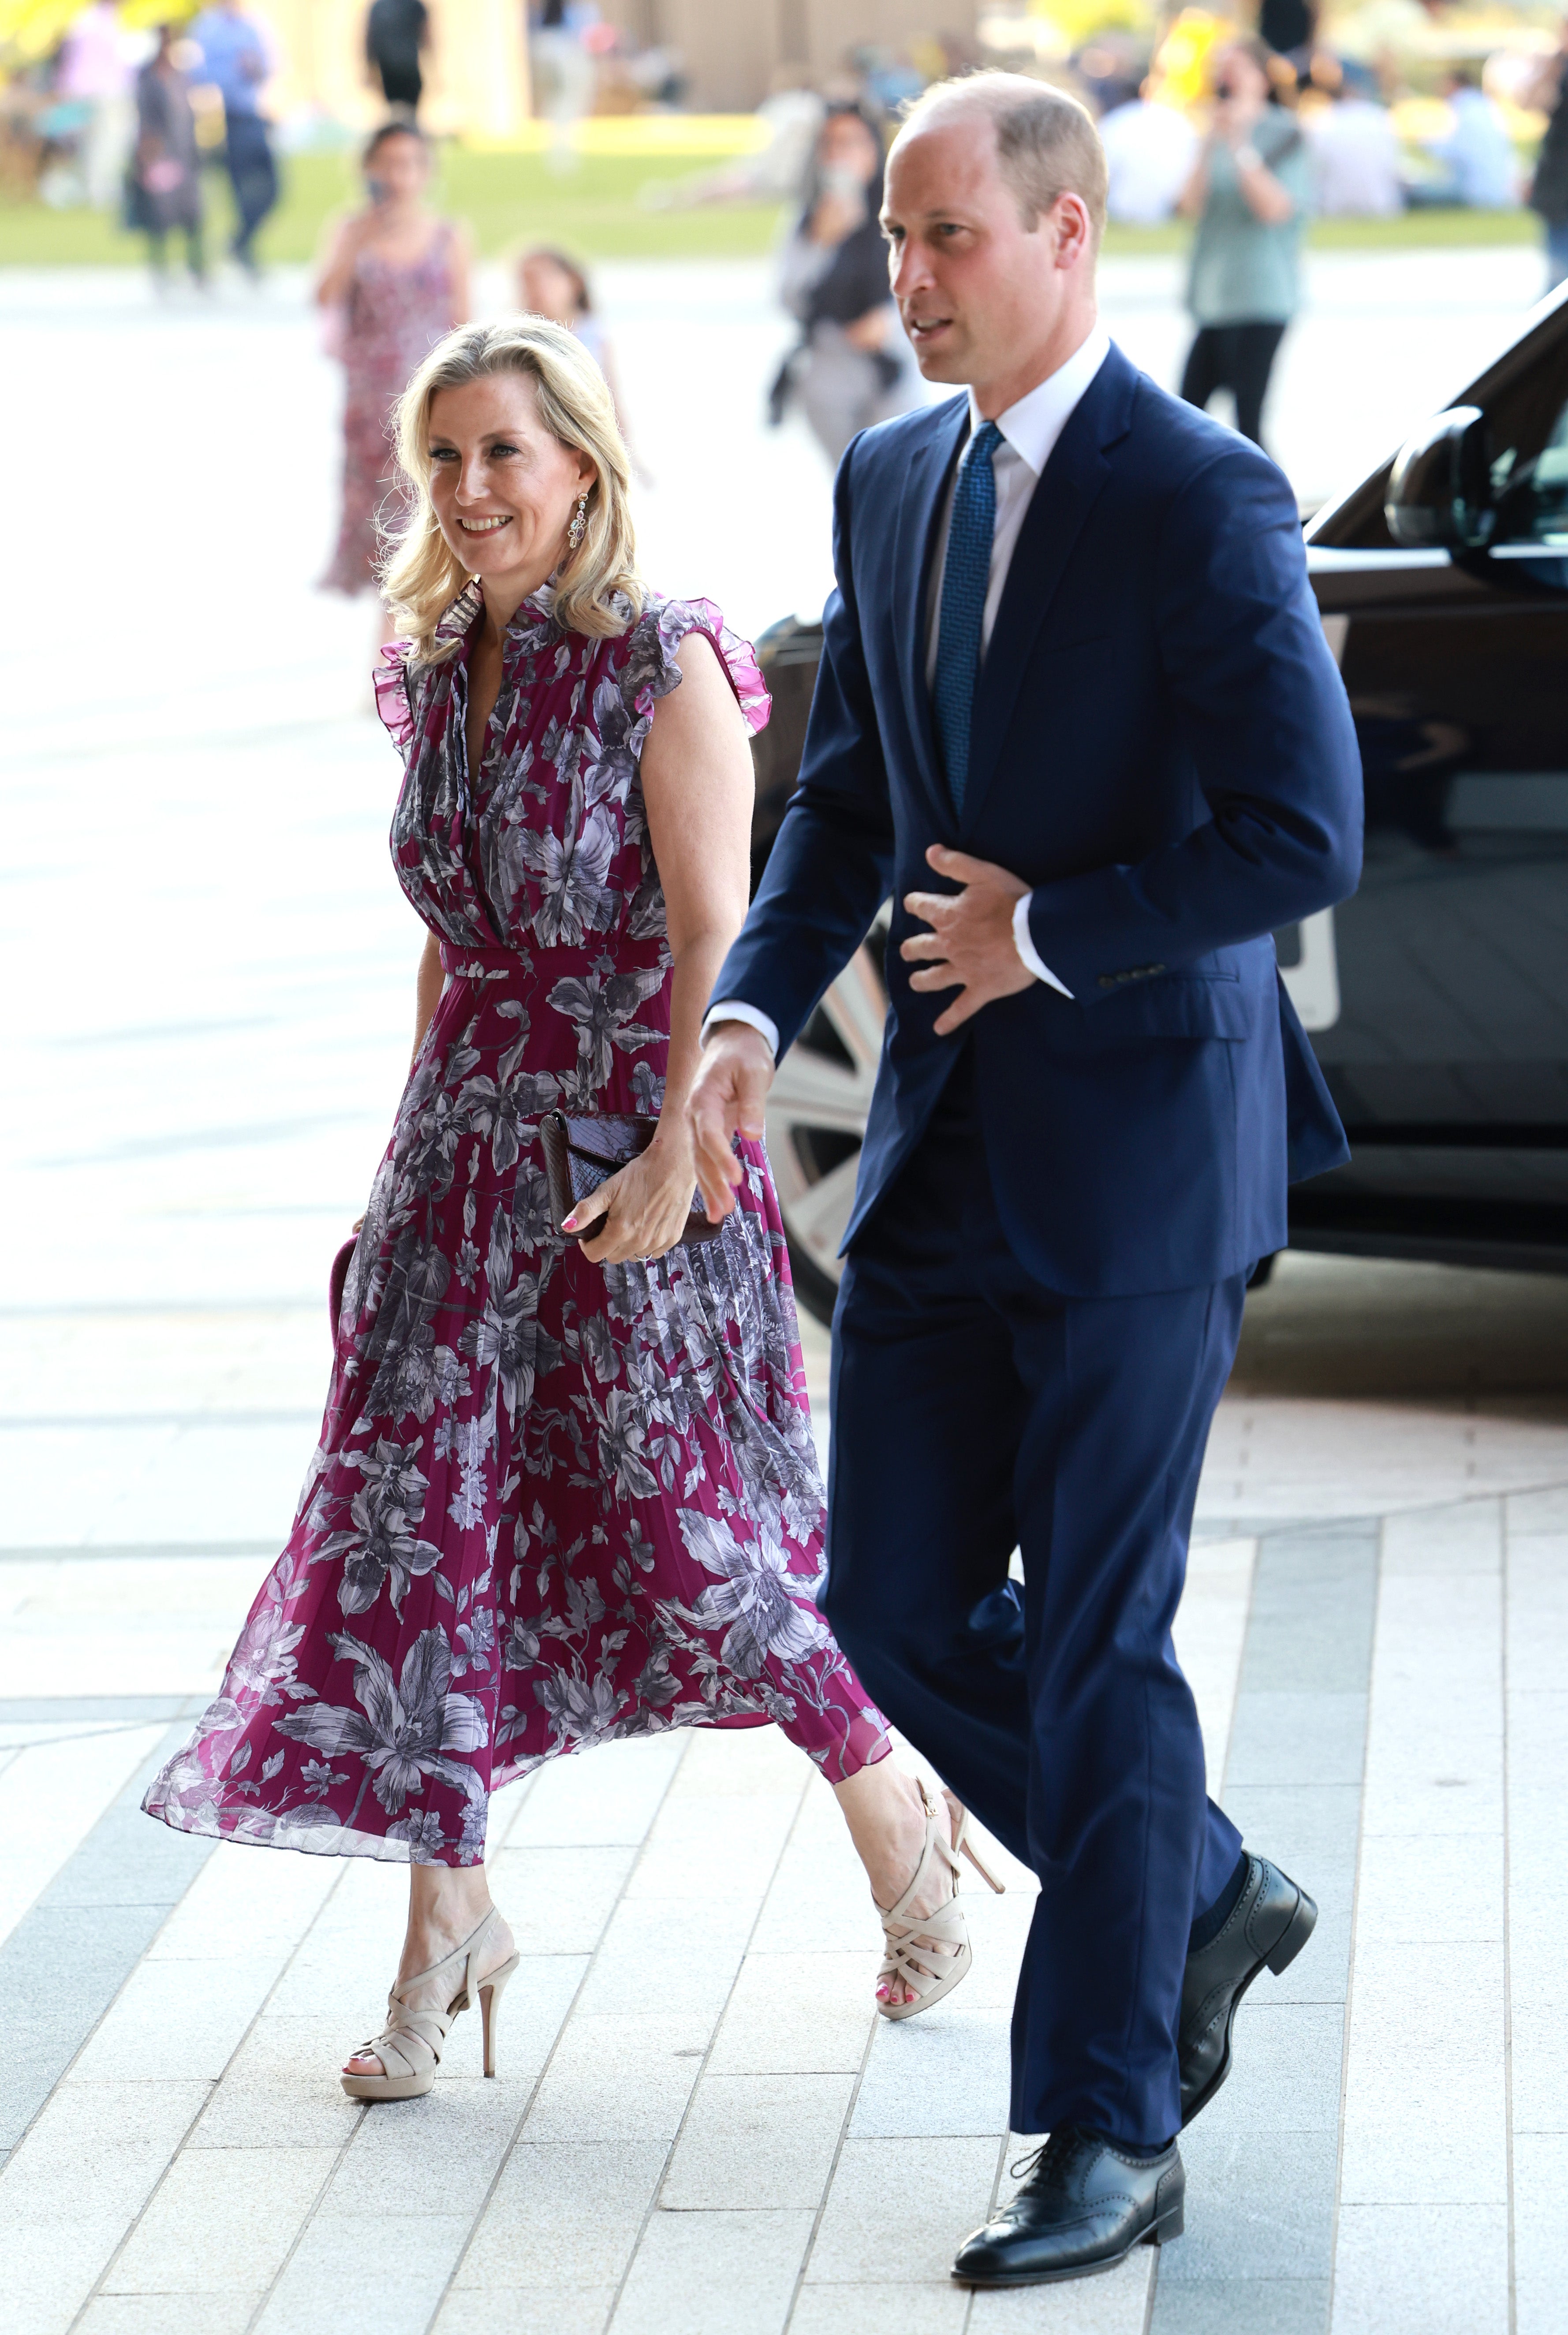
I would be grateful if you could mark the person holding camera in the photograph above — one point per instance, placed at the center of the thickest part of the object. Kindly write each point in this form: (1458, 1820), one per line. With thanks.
(1249, 193)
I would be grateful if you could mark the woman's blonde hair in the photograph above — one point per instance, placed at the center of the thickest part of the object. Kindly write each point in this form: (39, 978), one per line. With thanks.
(595, 583)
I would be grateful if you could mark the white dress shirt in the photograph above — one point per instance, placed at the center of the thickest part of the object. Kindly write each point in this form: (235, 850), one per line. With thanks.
(1030, 430)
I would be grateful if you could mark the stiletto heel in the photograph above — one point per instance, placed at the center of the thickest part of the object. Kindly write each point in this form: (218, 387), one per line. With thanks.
(963, 1847)
(491, 1989)
(411, 2044)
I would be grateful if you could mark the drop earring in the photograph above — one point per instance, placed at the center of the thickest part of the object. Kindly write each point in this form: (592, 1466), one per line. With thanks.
(579, 521)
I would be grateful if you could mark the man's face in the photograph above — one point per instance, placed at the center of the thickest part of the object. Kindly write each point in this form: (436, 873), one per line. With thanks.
(976, 287)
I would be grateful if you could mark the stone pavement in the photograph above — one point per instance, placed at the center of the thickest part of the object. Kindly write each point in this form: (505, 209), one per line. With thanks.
(698, 2123)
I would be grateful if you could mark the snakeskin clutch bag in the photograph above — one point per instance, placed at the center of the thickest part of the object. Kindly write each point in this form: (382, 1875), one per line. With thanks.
(583, 1149)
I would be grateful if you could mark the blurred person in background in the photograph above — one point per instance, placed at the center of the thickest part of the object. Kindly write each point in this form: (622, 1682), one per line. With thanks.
(1249, 193)
(1481, 170)
(164, 185)
(397, 33)
(1547, 91)
(852, 364)
(394, 283)
(550, 283)
(1290, 28)
(1149, 150)
(1354, 149)
(97, 68)
(236, 60)
(564, 75)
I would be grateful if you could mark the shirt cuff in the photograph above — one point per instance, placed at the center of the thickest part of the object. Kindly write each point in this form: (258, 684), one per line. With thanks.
(729, 1009)
(1023, 941)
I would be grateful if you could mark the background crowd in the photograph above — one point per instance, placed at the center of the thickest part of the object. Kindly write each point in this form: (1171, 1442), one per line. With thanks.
(1238, 130)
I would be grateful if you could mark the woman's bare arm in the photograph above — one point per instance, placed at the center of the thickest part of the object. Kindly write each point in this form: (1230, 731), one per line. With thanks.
(697, 790)
(335, 280)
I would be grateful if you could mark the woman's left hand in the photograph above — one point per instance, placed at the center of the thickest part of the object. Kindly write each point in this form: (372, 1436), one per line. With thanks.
(642, 1207)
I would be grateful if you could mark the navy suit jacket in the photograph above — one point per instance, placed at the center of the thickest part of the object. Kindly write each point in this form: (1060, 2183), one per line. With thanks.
(1162, 749)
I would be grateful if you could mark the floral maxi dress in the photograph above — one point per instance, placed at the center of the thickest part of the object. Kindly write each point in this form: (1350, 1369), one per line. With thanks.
(555, 1503)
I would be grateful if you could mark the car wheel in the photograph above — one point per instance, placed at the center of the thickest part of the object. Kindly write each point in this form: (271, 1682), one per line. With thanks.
(817, 1112)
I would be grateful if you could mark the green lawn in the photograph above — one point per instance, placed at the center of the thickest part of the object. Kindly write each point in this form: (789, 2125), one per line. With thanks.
(596, 210)
(508, 199)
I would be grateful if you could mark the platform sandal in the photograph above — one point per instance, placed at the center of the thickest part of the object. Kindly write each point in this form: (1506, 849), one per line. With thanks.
(930, 1952)
(411, 2044)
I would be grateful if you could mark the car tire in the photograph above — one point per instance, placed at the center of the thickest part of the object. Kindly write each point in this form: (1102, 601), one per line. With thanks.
(818, 1108)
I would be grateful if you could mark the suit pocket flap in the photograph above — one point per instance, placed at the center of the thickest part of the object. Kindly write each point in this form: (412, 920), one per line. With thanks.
(1173, 1005)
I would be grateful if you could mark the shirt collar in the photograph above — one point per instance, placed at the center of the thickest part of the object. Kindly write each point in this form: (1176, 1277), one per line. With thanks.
(1032, 426)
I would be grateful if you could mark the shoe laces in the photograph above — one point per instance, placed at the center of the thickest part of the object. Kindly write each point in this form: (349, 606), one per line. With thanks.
(1048, 2158)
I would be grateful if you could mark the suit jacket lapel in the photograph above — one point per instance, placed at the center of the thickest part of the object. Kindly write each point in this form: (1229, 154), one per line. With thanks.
(1068, 488)
(919, 508)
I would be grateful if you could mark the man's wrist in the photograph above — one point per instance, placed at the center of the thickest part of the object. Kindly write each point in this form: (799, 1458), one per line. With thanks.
(734, 1012)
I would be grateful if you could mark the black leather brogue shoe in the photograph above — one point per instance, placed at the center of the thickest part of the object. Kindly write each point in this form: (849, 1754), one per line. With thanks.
(1269, 1925)
(1083, 2205)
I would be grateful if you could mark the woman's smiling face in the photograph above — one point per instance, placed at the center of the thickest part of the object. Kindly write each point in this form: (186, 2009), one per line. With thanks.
(503, 489)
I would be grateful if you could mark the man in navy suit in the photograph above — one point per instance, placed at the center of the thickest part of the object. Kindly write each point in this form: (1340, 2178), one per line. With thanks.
(1076, 713)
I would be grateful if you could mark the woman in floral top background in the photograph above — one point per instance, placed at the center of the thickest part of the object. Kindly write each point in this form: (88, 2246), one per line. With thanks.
(565, 1490)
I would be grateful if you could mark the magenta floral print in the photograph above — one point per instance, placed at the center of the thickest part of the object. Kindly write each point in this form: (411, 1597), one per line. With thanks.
(555, 1504)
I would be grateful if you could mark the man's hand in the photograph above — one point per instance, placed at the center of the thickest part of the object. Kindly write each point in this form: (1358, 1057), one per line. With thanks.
(726, 1100)
(970, 947)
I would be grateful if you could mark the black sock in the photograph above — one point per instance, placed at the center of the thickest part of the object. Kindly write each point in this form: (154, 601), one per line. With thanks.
(1140, 2155)
(1208, 1926)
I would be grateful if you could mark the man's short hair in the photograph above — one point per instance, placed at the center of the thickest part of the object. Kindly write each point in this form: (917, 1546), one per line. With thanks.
(1045, 141)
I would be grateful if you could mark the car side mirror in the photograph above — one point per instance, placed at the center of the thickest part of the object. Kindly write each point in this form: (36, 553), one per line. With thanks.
(1440, 487)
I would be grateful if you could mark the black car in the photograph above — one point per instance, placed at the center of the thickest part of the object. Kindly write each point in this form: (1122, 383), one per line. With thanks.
(1437, 999)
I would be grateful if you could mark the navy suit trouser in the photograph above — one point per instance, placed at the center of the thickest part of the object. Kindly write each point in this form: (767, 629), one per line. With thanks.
(975, 1411)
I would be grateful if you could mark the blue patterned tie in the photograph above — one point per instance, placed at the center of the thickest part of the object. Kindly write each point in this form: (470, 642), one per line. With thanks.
(965, 581)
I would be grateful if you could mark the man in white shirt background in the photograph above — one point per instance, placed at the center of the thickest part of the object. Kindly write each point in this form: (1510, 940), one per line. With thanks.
(1074, 713)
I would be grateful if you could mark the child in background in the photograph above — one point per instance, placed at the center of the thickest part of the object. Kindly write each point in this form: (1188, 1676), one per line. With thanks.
(550, 285)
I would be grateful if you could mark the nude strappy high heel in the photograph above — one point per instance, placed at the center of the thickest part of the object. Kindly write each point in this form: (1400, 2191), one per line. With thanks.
(411, 2044)
(943, 1954)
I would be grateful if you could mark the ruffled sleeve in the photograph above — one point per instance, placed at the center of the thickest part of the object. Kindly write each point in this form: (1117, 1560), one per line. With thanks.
(392, 703)
(652, 671)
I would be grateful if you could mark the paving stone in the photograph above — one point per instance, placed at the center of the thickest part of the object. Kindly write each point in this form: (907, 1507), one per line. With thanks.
(1421, 2270)
(438, 2154)
(178, 2020)
(245, 1904)
(558, 1900)
(619, 2078)
(1440, 1998)
(796, 2013)
(1443, 1890)
(1538, 2063)
(1296, 1739)
(563, 2310)
(692, 2269)
(751, 2135)
(1113, 2302)
(1285, 2070)
(1540, 2230)
(946, 2072)
(899, 2209)
(221, 2219)
(1457, 2112)
(170, 2314)
(564, 2218)
(281, 2090)
(1241, 2306)
(1466, 1537)
(675, 1954)
(609, 1801)
(903, 2309)
(365, 2275)
(1258, 2205)
(714, 1848)
(1537, 1612)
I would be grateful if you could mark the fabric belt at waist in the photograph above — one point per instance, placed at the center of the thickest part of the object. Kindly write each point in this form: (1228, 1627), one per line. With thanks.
(511, 963)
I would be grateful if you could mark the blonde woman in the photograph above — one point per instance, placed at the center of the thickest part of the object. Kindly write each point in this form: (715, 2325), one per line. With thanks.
(565, 1491)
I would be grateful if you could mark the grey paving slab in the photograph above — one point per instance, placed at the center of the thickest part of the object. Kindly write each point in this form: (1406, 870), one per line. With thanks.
(1421, 2270)
(809, 2012)
(1285, 2067)
(170, 2314)
(505, 2310)
(899, 2209)
(945, 2072)
(857, 2309)
(221, 2219)
(1115, 2303)
(747, 2134)
(1258, 2205)
(1244, 2306)
(88, 1930)
(365, 2275)
(1296, 1739)
(564, 2218)
(1540, 2230)
(558, 1900)
(692, 2269)
(1309, 1624)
